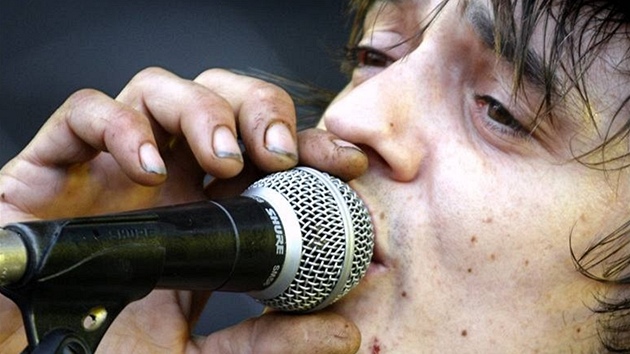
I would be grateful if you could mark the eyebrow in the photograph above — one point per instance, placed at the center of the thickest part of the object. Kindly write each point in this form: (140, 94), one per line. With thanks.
(533, 67)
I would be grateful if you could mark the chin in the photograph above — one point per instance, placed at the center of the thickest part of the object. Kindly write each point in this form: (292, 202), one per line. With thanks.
(366, 302)
(376, 306)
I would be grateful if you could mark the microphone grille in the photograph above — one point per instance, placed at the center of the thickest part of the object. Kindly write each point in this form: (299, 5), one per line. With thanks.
(337, 238)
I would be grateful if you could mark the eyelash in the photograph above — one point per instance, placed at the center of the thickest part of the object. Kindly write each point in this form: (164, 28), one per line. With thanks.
(363, 56)
(499, 119)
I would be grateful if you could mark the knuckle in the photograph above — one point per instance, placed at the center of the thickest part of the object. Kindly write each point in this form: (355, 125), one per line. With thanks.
(210, 74)
(74, 108)
(105, 111)
(120, 127)
(209, 106)
(268, 93)
(149, 73)
(98, 119)
(122, 119)
(146, 78)
(83, 96)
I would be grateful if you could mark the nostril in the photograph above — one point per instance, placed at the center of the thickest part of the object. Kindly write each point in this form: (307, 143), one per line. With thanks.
(402, 167)
(375, 160)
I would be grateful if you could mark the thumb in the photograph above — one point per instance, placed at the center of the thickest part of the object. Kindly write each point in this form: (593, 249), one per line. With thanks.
(278, 333)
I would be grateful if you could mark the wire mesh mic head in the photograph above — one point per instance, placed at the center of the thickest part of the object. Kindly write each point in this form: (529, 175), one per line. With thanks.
(337, 238)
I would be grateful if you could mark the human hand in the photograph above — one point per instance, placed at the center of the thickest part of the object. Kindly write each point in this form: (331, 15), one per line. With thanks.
(153, 145)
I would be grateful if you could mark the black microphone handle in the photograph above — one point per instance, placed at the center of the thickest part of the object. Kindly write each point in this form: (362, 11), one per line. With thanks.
(234, 245)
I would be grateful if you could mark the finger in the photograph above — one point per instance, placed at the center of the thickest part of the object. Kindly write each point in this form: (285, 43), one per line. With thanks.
(326, 152)
(89, 122)
(279, 333)
(319, 149)
(12, 333)
(225, 188)
(158, 323)
(185, 108)
(266, 117)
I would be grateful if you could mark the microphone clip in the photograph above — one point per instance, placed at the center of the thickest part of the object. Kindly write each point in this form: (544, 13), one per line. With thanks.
(69, 310)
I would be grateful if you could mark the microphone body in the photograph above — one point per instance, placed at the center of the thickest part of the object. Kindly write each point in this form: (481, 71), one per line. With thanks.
(296, 241)
(228, 245)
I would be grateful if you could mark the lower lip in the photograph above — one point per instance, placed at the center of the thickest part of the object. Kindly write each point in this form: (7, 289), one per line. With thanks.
(375, 268)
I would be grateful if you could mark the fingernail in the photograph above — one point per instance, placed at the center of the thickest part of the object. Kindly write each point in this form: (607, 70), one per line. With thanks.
(225, 145)
(346, 145)
(151, 160)
(279, 140)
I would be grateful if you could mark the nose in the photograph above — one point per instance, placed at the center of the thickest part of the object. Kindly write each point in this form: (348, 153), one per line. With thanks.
(378, 115)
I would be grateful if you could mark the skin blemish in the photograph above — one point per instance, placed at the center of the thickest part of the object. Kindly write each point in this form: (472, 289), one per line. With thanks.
(376, 346)
(464, 333)
(381, 216)
(3, 196)
(493, 257)
(487, 220)
(469, 270)
(473, 240)
(403, 294)
(526, 262)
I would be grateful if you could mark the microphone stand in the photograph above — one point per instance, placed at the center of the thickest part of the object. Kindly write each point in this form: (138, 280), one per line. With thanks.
(69, 312)
(59, 341)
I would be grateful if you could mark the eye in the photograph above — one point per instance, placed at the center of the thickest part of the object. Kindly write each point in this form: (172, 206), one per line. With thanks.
(362, 56)
(498, 118)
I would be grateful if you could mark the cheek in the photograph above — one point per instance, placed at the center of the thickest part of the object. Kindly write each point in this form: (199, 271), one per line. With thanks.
(509, 226)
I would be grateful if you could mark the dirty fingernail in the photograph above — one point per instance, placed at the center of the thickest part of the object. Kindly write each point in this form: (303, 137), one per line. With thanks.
(279, 140)
(225, 145)
(346, 145)
(151, 160)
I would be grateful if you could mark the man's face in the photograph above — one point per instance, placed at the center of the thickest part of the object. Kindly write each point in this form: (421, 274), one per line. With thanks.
(474, 209)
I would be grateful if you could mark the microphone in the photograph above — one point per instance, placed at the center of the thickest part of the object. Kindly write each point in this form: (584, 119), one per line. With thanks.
(295, 241)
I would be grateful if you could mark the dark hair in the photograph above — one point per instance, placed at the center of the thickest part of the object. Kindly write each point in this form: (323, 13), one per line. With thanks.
(582, 31)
